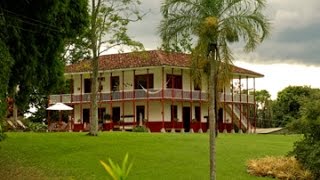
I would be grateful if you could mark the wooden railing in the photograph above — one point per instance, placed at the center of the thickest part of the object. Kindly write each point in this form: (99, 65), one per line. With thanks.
(176, 94)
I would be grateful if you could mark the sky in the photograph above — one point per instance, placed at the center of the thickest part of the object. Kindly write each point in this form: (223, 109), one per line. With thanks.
(290, 56)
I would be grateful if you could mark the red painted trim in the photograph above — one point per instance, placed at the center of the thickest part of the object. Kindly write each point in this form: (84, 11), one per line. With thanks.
(111, 97)
(148, 85)
(81, 98)
(240, 103)
(134, 99)
(162, 99)
(247, 104)
(255, 106)
(122, 95)
(232, 113)
(224, 105)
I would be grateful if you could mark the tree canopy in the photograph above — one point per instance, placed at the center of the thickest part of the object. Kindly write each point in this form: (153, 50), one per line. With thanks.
(288, 104)
(34, 33)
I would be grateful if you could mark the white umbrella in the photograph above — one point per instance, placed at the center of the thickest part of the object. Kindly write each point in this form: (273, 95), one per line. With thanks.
(59, 107)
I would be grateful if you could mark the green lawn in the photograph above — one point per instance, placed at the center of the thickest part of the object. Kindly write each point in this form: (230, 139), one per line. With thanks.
(155, 156)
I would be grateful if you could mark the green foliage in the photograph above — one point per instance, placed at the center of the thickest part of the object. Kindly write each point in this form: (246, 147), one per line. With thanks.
(5, 68)
(2, 134)
(34, 33)
(288, 104)
(307, 151)
(140, 129)
(117, 172)
(37, 127)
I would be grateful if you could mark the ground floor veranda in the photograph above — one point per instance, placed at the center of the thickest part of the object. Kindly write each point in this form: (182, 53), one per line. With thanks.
(157, 116)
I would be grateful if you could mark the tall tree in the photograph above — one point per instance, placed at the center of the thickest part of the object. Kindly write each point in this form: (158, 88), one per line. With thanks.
(108, 29)
(288, 104)
(34, 32)
(214, 24)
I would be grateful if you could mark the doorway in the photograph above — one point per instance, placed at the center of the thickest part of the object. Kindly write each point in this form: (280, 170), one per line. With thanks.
(140, 115)
(186, 117)
(86, 115)
(115, 114)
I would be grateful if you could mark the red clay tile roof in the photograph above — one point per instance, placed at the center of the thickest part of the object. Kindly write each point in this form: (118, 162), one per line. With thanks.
(144, 59)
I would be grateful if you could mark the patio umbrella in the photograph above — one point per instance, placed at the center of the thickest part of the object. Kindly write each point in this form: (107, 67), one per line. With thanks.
(60, 107)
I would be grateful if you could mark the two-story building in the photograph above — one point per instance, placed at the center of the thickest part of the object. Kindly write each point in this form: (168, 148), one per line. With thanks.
(156, 89)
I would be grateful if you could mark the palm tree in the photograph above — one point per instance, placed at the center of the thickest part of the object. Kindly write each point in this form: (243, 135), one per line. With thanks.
(214, 24)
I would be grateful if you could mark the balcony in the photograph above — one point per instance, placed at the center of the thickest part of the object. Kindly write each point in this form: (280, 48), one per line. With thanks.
(139, 94)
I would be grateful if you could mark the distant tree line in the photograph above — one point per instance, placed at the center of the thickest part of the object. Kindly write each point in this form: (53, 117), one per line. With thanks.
(286, 109)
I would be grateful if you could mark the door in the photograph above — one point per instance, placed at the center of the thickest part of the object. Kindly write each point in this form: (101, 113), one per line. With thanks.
(116, 114)
(86, 115)
(186, 116)
(140, 114)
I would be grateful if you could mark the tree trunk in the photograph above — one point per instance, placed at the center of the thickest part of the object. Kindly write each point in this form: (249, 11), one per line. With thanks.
(212, 116)
(94, 105)
(95, 65)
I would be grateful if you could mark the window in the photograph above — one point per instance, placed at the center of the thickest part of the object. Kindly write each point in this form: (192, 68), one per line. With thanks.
(197, 86)
(87, 85)
(174, 81)
(174, 112)
(114, 83)
(145, 81)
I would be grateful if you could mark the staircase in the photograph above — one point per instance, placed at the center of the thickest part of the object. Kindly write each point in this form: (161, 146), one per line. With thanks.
(245, 126)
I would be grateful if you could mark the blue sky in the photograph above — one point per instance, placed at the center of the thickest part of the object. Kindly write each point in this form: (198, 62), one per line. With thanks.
(290, 56)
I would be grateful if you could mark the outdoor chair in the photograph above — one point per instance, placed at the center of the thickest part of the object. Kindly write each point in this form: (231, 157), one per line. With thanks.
(21, 124)
(63, 127)
(52, 127)
(11, 125)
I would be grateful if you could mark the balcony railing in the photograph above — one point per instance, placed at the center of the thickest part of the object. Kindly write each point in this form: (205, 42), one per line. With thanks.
(176, 94)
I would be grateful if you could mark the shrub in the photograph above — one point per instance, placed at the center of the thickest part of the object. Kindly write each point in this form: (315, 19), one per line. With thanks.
(140, 129)
(36, 127)
(307, 151)
(278, 167)
(2, 134)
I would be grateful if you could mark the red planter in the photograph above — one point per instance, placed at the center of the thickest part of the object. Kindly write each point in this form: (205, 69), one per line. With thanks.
(77, 127)
(107, 126)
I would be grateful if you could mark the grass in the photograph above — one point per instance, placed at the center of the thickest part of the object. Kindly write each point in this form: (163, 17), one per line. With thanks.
(155, 156)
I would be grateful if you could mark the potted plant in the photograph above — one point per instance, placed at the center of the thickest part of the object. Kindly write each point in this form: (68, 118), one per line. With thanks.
(108, 125)
(107, 117)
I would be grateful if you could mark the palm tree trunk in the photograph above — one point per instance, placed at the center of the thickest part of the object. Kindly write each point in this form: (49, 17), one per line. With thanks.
(212, 116)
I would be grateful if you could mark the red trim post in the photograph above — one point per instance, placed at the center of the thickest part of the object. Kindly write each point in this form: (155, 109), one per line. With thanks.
(224, 107)
(162, 98)
(240, 124)
(122, 98)
(81, 97)
(255, 106)
(248, 119)
(111, 93)
(172, 98)
(134, 99)
(232, 104)
(148, 86)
